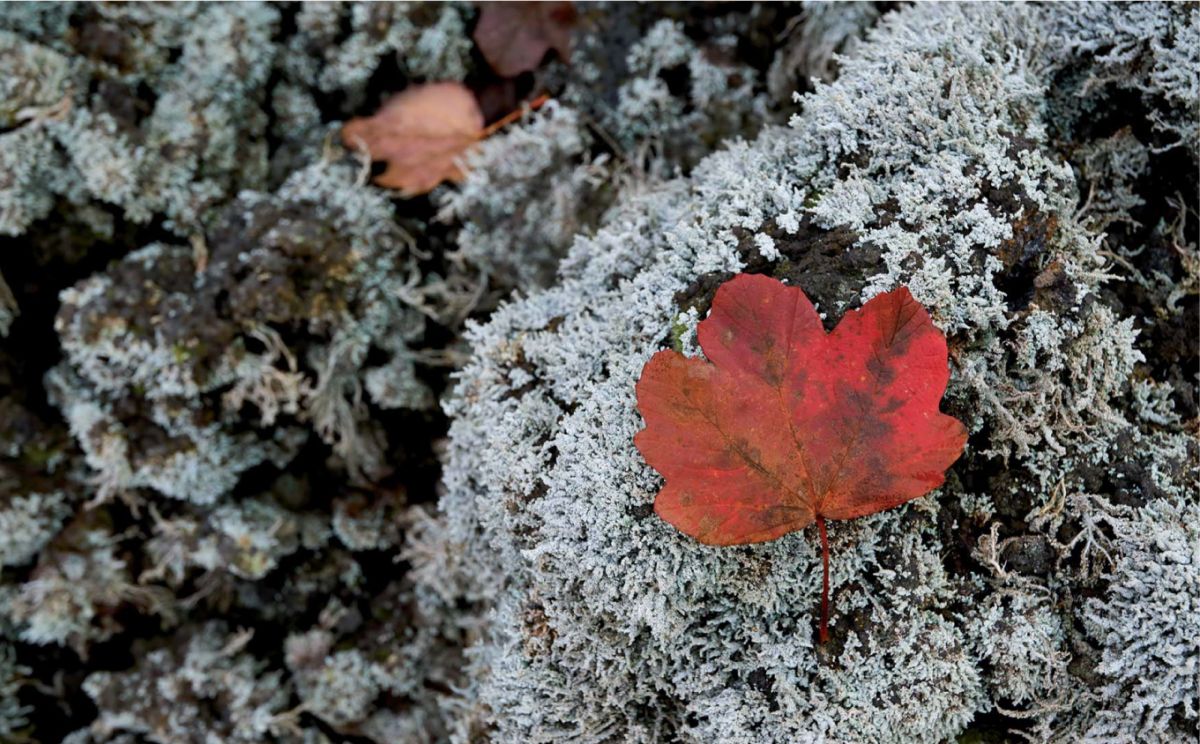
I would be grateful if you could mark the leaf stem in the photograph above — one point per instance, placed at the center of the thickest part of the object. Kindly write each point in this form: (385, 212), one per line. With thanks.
(824, 634)
(512, 116)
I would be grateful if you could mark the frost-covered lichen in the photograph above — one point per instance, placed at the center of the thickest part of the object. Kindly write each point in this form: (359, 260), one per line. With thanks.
(27, 522)
(528, 192)
(929, 162)
(1147, 625)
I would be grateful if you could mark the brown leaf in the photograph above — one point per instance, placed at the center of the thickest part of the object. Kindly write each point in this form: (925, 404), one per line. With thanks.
(421, 134)
(514, 37)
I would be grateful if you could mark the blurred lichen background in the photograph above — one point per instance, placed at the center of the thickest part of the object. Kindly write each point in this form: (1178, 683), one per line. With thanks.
(287, 458)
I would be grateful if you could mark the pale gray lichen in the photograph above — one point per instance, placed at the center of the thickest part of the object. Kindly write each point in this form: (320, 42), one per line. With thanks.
(201, 687)
(1150, 49)
(815, 38)
(345, 665)
(39, 486)
(247, 540)
(12, 678)
(429, 42)
(1147, 625)
(40, 20)
(658, 99)
(88, 142)
(168, 325)
(28, 521)
(37, 79)
(342, 690)
(929, 162)
(364, 523)
(531, 190)
(70, 596)
(1110, 167)
(1022, 639)
(528, 192)
(650, 118)
(167, 451)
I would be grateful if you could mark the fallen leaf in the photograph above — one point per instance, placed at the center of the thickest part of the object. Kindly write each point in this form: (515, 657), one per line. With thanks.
(785, 424)
(515, 36)
(422, 134)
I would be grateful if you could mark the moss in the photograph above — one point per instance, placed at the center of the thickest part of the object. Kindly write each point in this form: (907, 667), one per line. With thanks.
(678, 329)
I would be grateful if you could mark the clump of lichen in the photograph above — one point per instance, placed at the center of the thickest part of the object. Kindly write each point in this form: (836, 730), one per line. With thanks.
(12, 712)
(1146, 627)
(272, 313)
(201, 684)
(942, 158)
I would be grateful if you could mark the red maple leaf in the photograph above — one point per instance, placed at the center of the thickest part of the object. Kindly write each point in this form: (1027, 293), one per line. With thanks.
(785, 424)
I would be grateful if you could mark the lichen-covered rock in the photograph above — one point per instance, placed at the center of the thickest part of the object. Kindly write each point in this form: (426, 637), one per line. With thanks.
(941, 158)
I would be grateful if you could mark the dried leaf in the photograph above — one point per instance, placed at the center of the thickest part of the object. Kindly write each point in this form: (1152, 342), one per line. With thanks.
(422, 134)
(515, 36)
(785, 424)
